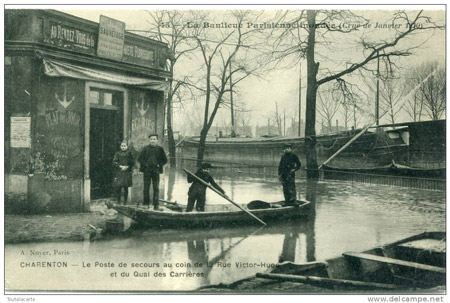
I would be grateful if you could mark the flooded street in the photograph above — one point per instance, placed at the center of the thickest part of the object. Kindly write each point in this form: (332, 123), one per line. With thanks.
(344, 217)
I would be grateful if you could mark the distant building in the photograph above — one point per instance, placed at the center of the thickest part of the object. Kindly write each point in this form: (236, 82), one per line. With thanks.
(331, 130)
(292, 131)
(266, 131)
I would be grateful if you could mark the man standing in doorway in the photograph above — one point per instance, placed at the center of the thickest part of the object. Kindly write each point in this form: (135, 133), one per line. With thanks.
(289, 164)
(152, 159)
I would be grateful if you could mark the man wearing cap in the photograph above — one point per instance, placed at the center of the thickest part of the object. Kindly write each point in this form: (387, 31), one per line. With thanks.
(152, 159)
(197, 191)
(289, 163)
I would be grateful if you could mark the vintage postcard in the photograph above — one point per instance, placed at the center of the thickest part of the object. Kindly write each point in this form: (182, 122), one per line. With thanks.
(281, 149)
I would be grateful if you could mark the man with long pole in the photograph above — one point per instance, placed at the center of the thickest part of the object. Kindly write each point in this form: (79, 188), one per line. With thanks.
(224, 196)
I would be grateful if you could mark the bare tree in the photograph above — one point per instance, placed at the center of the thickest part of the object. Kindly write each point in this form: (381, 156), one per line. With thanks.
(229, 47)
(191, 115)
(171, 27)
(392, 92)
(414, 103)
(433, 89)
(243, 116)
(327, 106)
(427, 85)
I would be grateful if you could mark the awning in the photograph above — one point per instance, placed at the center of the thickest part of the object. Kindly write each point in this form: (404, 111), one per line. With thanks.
(55, 68)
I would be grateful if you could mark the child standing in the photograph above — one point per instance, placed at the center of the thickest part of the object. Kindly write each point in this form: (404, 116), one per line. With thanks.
(123, 163)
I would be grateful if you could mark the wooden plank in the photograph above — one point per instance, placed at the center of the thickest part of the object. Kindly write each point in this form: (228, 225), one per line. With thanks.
(390, 266)
(395, 262)
(433, 245)
(291, 268)
(326, 281)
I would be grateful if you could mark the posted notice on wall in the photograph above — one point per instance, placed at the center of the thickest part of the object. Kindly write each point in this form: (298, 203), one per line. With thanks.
(20, 132)
(111, 37)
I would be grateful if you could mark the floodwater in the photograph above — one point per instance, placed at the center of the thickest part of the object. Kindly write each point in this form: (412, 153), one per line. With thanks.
(345, 217)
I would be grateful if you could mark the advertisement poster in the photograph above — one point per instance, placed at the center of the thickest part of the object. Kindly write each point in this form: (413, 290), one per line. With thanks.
(20, 131)
(295, 150)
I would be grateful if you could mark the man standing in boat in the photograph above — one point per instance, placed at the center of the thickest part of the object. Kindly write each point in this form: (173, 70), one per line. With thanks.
(289, 164)
(152, 160)
(197, 191)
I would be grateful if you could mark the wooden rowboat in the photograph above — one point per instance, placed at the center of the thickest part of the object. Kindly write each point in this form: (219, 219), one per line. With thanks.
(229, 215)
(414, 262)
(417, 262)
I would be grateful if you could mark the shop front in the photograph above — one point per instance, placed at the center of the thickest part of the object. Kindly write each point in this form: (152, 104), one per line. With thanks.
(74, 89)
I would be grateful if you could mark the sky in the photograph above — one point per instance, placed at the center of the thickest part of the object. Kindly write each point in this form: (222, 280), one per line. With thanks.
(280, 86)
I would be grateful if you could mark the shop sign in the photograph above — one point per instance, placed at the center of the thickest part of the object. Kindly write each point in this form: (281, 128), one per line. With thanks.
(110, 42)
(69, 37)
(138, 55)
(111, 37)
(20, 132)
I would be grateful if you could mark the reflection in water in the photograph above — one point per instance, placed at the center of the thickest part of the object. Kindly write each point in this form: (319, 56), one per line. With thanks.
(289, 247)
(311, 192)
(197, 251)
(343, 217)
(197, 254)
(170, 183)
(292, 235)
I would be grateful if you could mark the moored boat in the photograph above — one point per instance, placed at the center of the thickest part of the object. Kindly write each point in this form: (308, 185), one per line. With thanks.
(392, 169)
(417, 262)
(228, 216)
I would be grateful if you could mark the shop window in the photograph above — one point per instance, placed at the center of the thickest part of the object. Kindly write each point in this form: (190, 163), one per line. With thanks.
(94, 97)
(40, 25)
(22, 25)
(107, 99)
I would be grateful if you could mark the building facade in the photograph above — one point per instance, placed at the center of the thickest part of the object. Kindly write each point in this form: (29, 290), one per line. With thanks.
(74, 89)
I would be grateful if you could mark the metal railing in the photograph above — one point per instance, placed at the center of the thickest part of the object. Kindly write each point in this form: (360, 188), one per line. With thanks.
(270, 171)
(387, 180)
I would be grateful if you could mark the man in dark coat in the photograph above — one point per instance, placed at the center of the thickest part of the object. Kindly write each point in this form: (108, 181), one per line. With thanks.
(197, 191)
(289, 163)
(152, 160)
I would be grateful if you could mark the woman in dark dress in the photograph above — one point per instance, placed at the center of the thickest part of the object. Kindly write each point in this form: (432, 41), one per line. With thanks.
(123, 163)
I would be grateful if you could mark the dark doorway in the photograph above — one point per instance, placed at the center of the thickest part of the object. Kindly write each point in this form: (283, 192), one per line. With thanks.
(106, 132)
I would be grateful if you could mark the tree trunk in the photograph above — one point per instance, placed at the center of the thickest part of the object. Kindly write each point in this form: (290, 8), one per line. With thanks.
(172, 149)
(170, 138)
(311, 93)
(201, 146)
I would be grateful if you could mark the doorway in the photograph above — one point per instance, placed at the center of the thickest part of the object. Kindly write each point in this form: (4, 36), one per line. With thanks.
(105, 134)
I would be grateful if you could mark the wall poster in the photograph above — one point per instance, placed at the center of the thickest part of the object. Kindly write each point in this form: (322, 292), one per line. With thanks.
(20, 132)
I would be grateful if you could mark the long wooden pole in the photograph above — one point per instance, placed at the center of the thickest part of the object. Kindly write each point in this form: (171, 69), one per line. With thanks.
(300, 101)
(328, 282)
(377, 100)
(223, 196)
(345, 146)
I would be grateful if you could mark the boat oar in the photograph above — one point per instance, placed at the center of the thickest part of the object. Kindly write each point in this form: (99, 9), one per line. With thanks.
(172, 205)
(223, 196)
